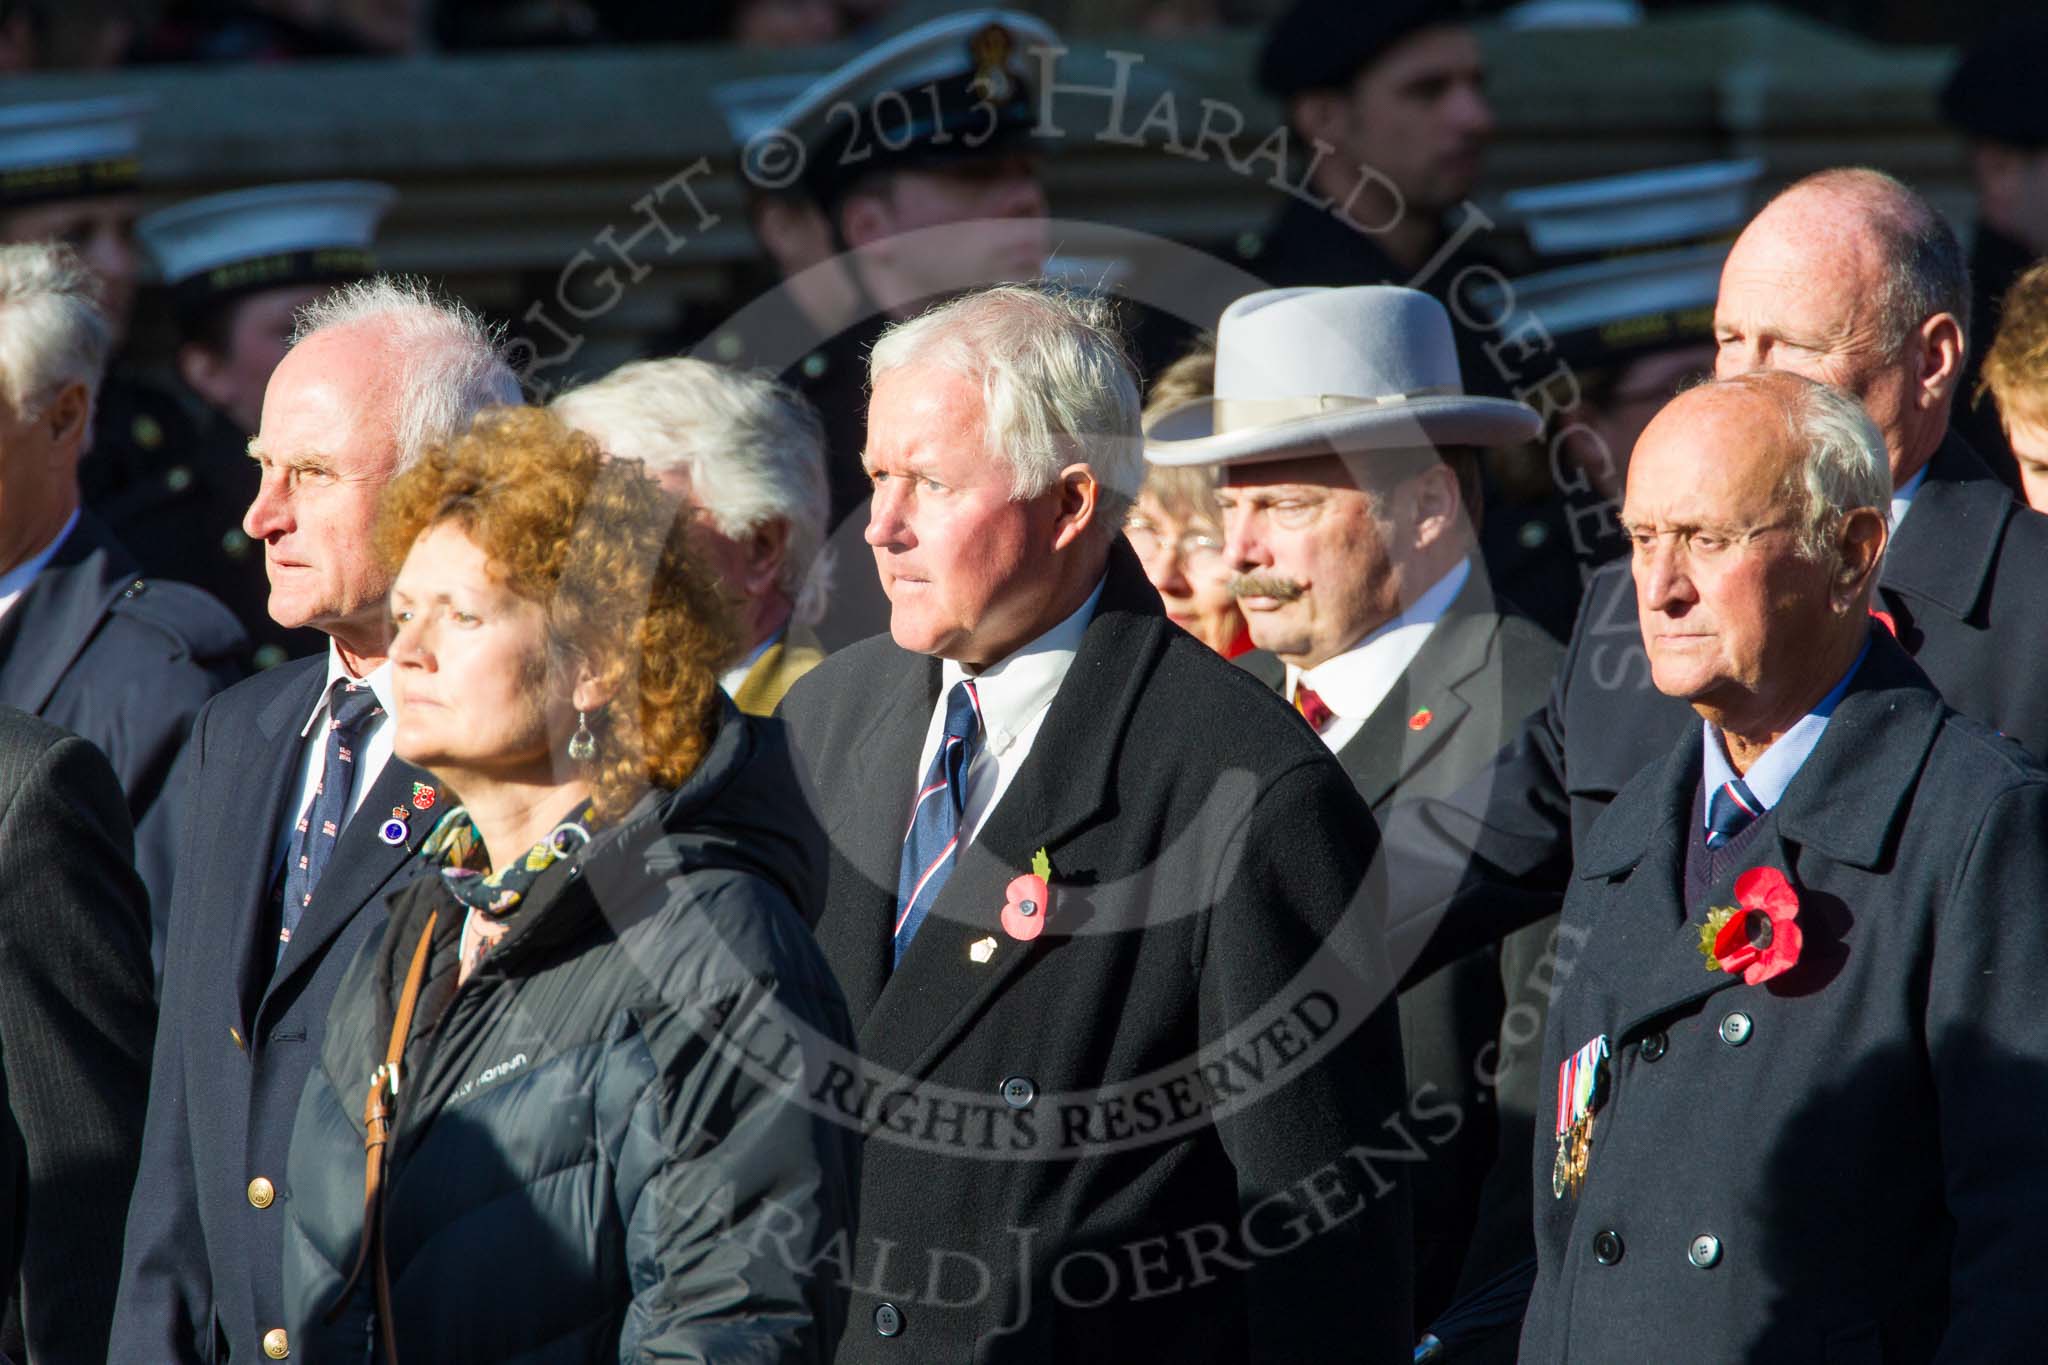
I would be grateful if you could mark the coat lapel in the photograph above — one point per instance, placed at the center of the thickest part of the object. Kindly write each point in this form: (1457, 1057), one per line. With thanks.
(361, 866)
(867, 830)
(267, 755)
(59, 613)
(1947, 546)
(1063, 785)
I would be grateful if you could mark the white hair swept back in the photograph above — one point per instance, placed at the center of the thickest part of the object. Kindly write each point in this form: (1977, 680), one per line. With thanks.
(751, 448)
(1057, 385)
(451, 363)
(1843, 465)
(52, 333)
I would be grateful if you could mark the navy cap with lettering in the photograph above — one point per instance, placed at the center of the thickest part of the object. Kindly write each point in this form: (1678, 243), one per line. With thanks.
(951, 91)
(270, 237)
(70, 149)
(1634, 261)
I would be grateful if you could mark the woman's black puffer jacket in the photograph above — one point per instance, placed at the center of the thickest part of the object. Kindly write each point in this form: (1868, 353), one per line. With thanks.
(593, 1158)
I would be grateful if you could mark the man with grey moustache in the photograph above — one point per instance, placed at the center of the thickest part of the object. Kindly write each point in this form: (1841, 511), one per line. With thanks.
(1346, 519)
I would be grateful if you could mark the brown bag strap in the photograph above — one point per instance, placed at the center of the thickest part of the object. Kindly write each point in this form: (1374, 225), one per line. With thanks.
(377, 1117)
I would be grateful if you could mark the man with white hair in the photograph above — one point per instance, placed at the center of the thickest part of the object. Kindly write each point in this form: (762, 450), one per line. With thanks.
(296, 819)
(1128, 1055)
(86, 641)
(745, 457)
(1860, 1065)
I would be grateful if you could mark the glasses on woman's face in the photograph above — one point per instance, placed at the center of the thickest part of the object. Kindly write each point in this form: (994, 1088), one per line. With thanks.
(1196, 547)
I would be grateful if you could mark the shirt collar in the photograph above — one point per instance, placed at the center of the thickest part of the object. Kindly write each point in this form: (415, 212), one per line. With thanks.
(1902, 497)
(380, 681)
(1355, 682)
(1012, 692)
(16, 580)
(1774, 770)
(734, 678)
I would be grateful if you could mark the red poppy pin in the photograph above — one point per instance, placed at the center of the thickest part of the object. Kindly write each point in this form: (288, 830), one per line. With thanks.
(1758, 937)
(1028, 900)
(1421, 719)
(423, 796)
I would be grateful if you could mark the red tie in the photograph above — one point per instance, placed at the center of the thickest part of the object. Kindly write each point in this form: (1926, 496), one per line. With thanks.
(1313, 708)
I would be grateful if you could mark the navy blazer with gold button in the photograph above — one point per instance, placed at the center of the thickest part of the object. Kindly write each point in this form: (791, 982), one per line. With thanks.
(1849, 1161)
(239, 1027)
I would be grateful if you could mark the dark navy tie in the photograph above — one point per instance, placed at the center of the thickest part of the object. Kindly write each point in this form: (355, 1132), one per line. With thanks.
(351, 706)
(1730, 811)
(934, 834)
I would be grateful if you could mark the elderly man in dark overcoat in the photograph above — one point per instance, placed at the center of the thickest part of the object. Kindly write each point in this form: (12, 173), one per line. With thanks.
(1852, 279)
(1100, 904)
(296, 819)
(1796, 1065)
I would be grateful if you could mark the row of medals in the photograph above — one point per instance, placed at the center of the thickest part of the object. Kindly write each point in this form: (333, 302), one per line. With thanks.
(1574, 1149)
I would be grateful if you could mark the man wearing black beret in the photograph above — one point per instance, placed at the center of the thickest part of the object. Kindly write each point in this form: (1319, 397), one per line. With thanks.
(1993, 98)
(1394, 91)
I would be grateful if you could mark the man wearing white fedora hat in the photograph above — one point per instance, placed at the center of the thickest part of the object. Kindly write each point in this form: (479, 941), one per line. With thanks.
(1350, 454)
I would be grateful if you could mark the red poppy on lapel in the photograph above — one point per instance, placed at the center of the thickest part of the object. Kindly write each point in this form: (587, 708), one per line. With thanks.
(1421, 719)
(1027, 900)
(1758, 937)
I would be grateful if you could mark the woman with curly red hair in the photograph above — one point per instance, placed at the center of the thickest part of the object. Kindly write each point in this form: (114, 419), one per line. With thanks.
(590, 1138)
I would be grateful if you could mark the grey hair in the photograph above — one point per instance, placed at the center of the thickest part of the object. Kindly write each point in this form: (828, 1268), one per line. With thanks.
(52, 333)
(1843, 466)
(1057, 385)
(1923, 269)
(451, 363)
(752, 449)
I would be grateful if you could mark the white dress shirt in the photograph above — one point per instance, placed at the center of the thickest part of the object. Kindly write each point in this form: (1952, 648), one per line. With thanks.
(734, 678)
(371, 754)
(1902, 498)
(15, 581)
(1014, 696)
(1354, 683)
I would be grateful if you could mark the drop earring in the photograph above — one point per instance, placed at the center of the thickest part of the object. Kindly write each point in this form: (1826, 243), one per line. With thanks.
(582, 745)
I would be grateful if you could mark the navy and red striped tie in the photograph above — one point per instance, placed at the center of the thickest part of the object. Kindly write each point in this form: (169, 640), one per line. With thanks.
(1730, 811)
(933, 839)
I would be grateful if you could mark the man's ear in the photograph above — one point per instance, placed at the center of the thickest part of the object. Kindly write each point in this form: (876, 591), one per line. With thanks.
(204, 372)
(1320, 115)
(1942, 345)
(67, 421)
(865, 218)
(766, 546)
(1080, 503)
(1434, 506)
(1860, 543)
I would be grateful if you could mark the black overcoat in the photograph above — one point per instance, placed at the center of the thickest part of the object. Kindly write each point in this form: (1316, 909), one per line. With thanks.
(1849, 1162)
(1160, 1130)
(239, 1028)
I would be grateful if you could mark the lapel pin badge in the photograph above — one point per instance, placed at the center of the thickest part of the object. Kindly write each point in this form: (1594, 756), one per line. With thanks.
(1028, 900)
(1421, 719)
(423, 796)
(982, 949)
(395, 829)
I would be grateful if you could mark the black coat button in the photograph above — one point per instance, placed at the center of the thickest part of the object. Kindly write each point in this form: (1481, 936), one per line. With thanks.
(1018, 1092)
(1735, 1029)
(1652, 1048)
(888, 1320)
(1606, 1246)
(1705, 1251)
